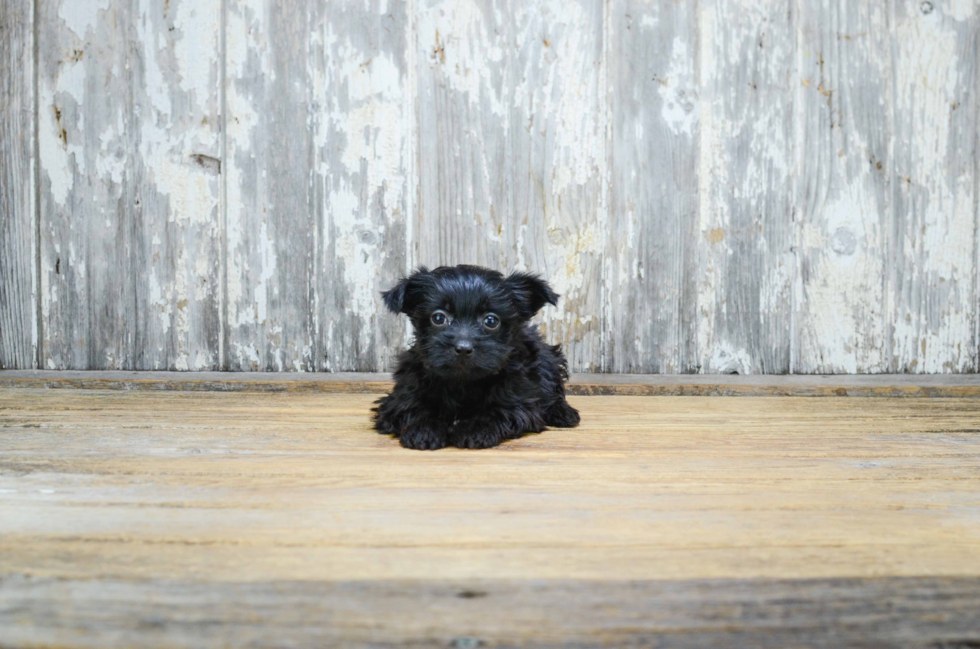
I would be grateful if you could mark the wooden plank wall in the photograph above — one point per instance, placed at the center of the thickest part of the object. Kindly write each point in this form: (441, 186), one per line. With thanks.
(713, 185)
(18, 239)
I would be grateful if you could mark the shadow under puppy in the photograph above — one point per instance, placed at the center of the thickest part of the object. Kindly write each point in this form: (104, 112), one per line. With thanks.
(477, 373)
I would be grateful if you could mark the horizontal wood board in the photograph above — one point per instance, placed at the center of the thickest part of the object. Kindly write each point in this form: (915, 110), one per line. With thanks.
(180, 519)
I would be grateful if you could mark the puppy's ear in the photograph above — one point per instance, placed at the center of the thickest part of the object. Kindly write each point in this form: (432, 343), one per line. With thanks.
(402, 297)
(530, 293)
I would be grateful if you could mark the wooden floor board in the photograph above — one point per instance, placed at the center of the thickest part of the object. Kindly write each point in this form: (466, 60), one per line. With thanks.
(172, 518)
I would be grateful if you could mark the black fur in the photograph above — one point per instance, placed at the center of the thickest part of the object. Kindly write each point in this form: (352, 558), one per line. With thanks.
(463, 382)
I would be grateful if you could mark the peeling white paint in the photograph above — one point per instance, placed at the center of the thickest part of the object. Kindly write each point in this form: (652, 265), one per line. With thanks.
(453, 37)
(247, 355)
(524, 160)
(199, 26)
(159, 300)
(935, 314)
(678, 91)
(81, 15)
(60, 142)
(712, 214)
(726, 359)
(246, 37)
(364, 139)
(108, 163)
(842, 304)
(960, 10)
(744, 182)
(267, 262)
(55, 158)
(579, 149)
(518, 184)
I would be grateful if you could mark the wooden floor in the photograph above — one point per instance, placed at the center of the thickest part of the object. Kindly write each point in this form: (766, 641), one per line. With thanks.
(185, 519)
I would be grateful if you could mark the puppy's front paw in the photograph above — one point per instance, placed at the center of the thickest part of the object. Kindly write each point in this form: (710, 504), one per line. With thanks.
(385, 426)
(562, 415)
(484, 439)
(422, 439)
(387, 419)
(476, 434)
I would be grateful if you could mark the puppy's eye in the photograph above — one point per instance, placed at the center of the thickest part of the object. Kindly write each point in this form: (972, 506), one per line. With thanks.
(440, 319)
(491, 321)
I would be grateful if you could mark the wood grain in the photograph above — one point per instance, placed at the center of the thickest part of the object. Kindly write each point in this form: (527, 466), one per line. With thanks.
(18, 245)
(650, 299)
(176, 255)
(88, 202)
(886, 200)
(934, 187)
(844, 203)
(746, 234)
(294, 486)
(724, 186)
(272, 225)
(512, 150)
(128, 134)
(364, 172)
(137, 515)
(319, 162)
(879, 612)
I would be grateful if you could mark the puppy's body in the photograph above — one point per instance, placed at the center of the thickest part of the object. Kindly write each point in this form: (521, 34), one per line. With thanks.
(477, 374)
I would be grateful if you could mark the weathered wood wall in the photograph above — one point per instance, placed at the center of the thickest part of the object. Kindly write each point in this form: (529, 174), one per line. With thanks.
(713, 185)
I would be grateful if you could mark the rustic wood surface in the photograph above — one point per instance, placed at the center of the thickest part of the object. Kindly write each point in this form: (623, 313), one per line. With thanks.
(727, 185)
(927, 612)
(175, 518)
(745, 272)
(365, 132)
(18, 244)
(129, 152)
(844, 180)
(512, 149)
(319, 163)
(936, 113)
(855, 385)
(883, 197)
(650, 305)
(273, 220)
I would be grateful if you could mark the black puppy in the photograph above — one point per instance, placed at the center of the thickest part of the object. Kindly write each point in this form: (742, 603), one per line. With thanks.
(477, 373)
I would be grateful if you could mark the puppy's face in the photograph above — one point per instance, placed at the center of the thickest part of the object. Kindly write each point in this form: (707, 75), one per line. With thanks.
(467, 318)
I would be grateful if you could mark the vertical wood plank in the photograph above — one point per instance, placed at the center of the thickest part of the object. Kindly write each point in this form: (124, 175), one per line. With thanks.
(271, 215)
(89, 208)
(888, 173)
(843, 186)
(746, 229)
(18, 246)
(319, 157)
(361, 57)
(128, 123)
(934, 172)
(177, 101)
(651, 253)
(512, 150)
(710, 108)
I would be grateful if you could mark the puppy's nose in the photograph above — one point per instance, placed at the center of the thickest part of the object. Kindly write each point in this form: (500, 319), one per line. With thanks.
(464, 348)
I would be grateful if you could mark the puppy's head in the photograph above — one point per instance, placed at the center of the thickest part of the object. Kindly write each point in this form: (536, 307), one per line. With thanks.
(467, 319)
